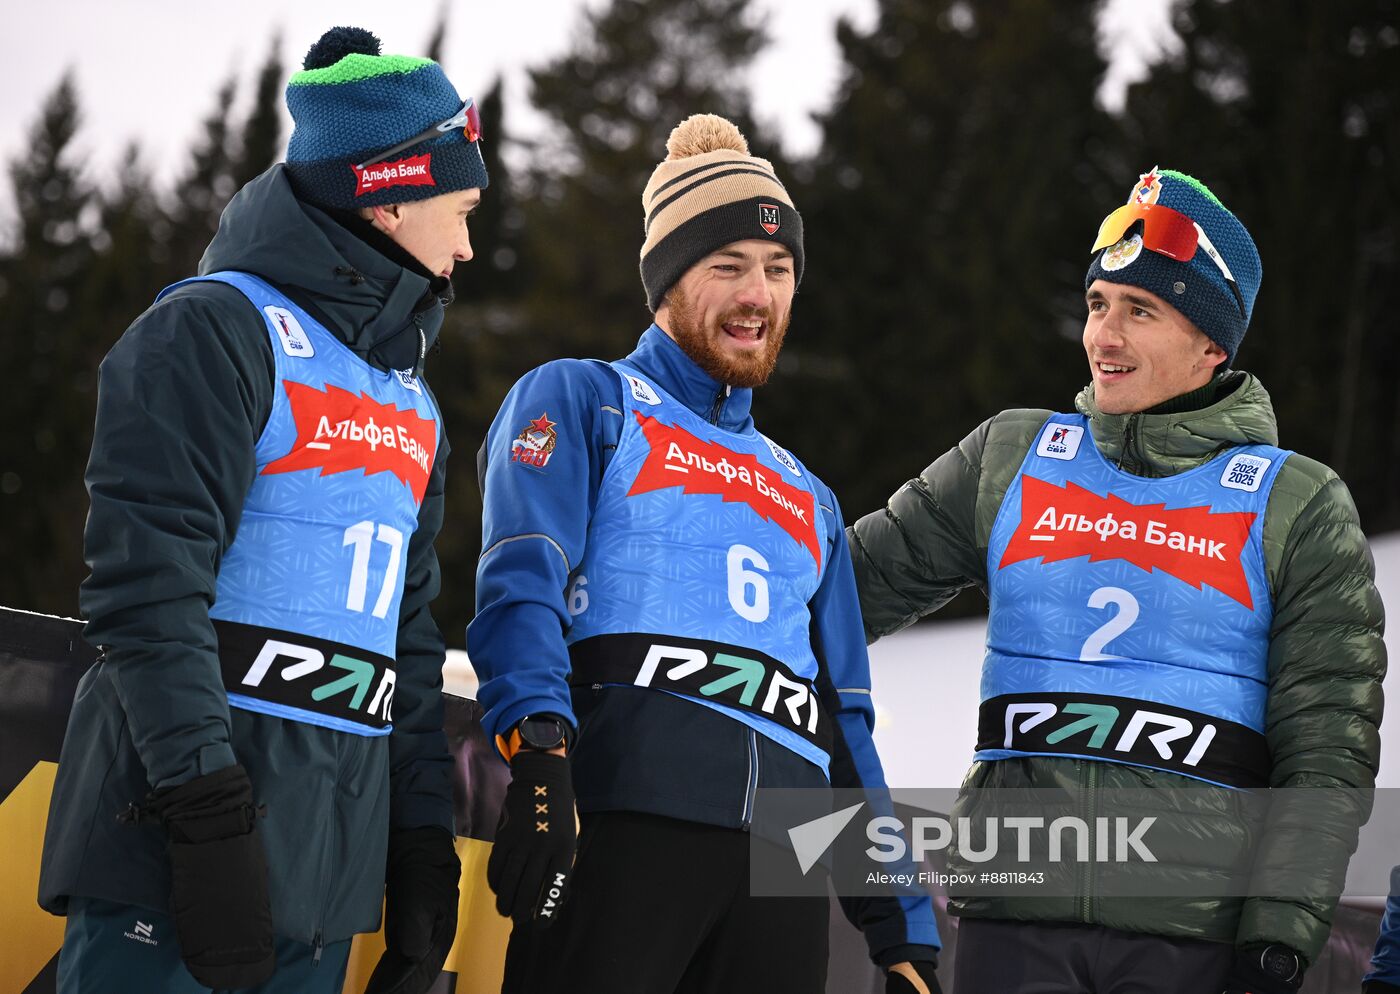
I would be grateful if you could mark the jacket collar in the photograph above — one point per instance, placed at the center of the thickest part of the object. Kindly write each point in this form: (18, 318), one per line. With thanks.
(1159, 445)
(660, 358)
(371, 302)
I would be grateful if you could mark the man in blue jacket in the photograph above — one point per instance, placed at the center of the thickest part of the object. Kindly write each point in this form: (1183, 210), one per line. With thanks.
(259, 754)
(667, 620)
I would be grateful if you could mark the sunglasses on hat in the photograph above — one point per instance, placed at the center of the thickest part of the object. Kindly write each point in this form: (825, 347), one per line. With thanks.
(1166, 232)
(468, 119)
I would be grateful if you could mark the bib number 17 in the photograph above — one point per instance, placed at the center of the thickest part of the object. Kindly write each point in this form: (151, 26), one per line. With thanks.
(362, 536)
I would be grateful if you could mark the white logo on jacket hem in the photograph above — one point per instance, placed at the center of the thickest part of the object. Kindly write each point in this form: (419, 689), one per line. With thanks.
(295, 341)
(1059, 441)
(642, 391)
(1245, 473)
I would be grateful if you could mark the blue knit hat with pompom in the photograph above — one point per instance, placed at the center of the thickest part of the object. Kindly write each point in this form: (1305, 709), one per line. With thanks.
(350, 104)
(1198, 288)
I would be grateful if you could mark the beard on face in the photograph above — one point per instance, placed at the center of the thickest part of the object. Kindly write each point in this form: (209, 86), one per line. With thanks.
(701, 343)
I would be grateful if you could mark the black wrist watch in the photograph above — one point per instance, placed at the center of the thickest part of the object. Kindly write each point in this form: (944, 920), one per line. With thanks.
(1281, 962)
(543, 731)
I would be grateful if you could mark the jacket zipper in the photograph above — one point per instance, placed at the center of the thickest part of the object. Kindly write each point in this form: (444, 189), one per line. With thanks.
(1088, 809)
(1130, 447)
(326, 863)
(718, 405)
(750, 788)
(422, 350)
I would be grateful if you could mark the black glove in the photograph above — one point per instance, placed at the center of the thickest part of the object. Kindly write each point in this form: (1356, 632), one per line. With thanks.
(533, 856)
(420, 916)
(1265, 969)
(218, 877)
(927, 971)
(1379, 987)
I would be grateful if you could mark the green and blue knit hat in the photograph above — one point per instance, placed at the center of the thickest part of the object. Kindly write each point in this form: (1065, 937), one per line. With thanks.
(1199, 287)
(350, 105)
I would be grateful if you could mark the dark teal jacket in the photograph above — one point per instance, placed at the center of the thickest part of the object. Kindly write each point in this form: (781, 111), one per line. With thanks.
(182, 399)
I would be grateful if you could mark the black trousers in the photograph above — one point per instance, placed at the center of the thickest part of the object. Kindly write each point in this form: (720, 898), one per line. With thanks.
(661, 906)
(1008, 957)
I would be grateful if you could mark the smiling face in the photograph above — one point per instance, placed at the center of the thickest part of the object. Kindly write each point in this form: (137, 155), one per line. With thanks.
(730, 311)
(433, 231)
(1142, 351)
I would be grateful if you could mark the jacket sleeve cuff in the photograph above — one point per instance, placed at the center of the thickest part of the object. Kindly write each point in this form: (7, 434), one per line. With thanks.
(906, 954)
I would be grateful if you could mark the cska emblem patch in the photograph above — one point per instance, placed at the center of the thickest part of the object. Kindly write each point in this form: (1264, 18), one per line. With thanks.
(1148, 189)
(535, 443)
(769, 218)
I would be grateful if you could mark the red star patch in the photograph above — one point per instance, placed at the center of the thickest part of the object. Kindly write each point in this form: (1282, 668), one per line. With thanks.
(542, 424)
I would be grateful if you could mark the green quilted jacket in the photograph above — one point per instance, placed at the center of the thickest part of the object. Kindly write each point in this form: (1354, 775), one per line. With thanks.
(1326, 661)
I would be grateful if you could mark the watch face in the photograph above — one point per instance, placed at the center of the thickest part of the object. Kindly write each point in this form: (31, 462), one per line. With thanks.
(1281, 963)
(542, 733)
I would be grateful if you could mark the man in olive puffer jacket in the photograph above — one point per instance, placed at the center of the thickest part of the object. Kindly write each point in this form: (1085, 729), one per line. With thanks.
(1157, 569)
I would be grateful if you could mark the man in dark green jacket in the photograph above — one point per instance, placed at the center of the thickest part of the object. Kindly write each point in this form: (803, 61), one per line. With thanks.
(259, 753)
(1176, 602)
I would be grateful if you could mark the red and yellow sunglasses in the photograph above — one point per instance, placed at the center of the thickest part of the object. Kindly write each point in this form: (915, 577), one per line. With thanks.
(1166, 232)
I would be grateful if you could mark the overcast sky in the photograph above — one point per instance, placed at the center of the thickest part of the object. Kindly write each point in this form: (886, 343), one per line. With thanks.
(149, 69)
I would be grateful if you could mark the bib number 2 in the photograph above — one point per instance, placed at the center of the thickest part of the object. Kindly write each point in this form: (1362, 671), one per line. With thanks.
(1115, 626)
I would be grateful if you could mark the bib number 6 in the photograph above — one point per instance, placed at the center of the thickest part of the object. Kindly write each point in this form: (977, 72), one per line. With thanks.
(748, 588)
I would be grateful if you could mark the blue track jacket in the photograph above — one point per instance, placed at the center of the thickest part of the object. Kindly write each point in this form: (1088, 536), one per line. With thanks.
(637, 744)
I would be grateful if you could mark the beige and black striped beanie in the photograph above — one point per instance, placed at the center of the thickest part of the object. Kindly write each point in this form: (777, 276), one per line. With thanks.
(707, 193)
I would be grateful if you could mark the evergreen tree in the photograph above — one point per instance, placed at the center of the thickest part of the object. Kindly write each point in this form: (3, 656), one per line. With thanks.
(433, 50)
(52, 354)
(638, 69)
(1291, 114)
(475, 363)
(261, 143)
(204, 190)
(948, 223)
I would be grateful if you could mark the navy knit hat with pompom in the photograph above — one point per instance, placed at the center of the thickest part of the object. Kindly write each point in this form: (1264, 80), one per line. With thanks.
(350, 104)
(1198, 288)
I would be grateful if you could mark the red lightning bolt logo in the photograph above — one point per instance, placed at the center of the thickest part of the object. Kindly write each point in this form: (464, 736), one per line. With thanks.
(339, 431)
(679, 459)
(1191, 543)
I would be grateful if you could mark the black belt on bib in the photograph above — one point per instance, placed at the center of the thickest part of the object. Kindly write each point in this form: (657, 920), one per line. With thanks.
(1126, 730)
(737, 677)
(268, 670)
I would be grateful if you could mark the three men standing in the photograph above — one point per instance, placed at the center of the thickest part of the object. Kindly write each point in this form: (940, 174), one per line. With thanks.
(1154, 554)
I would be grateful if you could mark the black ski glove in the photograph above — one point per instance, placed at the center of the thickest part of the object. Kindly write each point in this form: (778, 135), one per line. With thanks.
(533, 856)
(927, 971)
(1265, 969)
(218, 877)
(420, 910)
(1379, 987)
